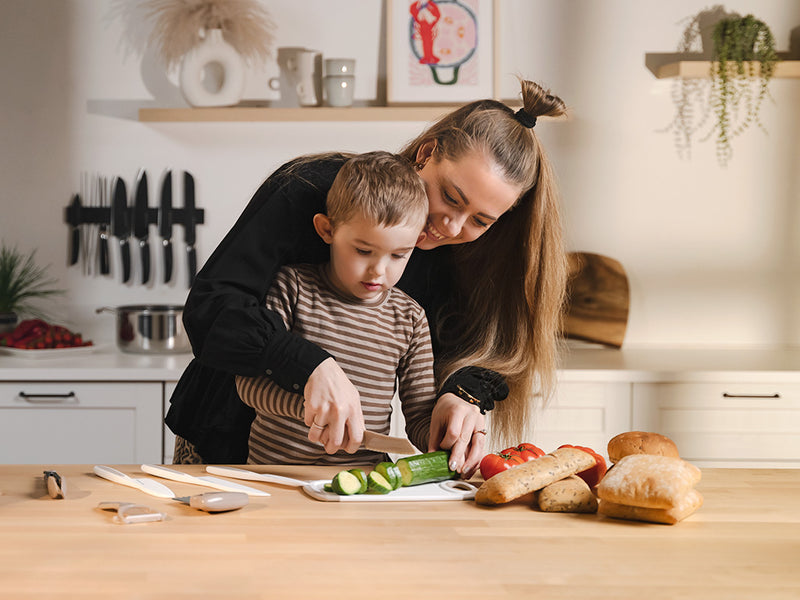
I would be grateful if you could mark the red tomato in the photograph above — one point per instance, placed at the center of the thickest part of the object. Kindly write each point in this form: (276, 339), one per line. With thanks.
(492, 464)
(592, 475)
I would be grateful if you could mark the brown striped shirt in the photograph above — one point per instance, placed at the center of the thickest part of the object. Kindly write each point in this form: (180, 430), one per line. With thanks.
(383, 346)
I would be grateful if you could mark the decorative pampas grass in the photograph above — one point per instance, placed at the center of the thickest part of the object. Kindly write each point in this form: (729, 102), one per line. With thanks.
(180, 25)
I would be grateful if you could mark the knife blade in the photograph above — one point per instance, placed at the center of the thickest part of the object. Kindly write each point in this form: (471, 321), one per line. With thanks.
(120, 225)
(165, 224)
(188, 230)
(74, 219)
(212, 482)
(387, 443)
(105, 268)
(140, 225)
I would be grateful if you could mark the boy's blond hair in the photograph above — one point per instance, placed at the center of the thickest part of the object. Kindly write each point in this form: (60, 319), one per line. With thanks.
(382, 187)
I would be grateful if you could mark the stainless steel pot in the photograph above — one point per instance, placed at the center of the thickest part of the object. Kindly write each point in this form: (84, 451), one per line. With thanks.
(150, 328)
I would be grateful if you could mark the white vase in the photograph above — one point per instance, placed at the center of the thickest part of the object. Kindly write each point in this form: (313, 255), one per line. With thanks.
(212, 73)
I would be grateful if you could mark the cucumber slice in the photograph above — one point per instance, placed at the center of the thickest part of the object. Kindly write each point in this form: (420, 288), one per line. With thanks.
(362, 478)
(378, 484)
(391, 473)
(345, 483)
(327, 487)
(425, 468)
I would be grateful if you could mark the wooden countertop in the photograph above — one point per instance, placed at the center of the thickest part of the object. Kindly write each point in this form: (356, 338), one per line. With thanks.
(743, 543)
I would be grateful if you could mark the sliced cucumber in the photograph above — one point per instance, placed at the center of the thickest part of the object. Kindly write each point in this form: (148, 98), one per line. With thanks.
(362, 478)
(327, 488)
(345, 483)
(391, 473)
(425, 468)
(378, 484)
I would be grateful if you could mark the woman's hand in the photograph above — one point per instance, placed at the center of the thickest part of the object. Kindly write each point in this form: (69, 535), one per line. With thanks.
(333, 409)
(455, 426)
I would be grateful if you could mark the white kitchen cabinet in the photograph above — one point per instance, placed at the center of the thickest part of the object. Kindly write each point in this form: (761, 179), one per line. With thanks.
(169, 437)
(724, 424)
(583, 414)
(80, 422)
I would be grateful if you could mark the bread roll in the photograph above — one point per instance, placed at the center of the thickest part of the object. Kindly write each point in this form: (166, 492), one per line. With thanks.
(533, 475)
(571, 494)
(668, 516)
(640, 442)
(648, 481)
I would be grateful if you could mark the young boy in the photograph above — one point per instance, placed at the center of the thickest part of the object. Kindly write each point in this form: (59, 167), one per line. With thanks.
(376, 209)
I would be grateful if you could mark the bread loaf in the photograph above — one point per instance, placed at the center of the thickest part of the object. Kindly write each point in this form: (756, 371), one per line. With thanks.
(685, 506)
(640, 442)
(533, 475)
(571, 494)
(648, 481)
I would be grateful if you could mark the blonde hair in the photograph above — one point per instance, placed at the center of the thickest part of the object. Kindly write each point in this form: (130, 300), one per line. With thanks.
(380, 186)
(510, 282)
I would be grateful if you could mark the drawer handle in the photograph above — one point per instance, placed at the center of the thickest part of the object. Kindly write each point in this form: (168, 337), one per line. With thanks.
(34, 398)
(727, 395)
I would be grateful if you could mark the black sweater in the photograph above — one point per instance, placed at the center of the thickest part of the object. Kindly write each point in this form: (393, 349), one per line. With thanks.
(233, 333)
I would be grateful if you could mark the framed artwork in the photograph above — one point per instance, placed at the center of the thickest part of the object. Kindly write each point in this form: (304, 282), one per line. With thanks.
(439, 51)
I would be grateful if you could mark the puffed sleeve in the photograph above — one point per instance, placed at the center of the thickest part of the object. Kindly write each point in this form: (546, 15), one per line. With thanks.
(228, 324)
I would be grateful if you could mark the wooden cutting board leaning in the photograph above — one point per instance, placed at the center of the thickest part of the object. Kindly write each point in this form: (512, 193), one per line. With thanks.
(598, 298)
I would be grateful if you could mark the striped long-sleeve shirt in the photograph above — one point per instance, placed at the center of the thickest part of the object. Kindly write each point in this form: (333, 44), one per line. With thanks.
(382, 346)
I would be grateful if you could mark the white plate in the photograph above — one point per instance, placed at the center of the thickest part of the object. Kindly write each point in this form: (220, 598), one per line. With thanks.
(47, 352)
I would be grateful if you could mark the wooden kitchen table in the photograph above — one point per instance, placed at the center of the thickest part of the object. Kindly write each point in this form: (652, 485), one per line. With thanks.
(743, 543)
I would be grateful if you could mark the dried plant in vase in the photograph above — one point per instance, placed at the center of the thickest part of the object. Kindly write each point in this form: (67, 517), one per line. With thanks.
(181, 25)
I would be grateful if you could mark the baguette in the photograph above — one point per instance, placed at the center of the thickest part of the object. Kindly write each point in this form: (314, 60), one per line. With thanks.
(668, 516)
(571, 494)
(648, 481)
(533, 475)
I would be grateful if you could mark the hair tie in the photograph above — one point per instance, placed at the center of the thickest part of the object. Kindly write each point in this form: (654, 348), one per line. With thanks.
(524, 117)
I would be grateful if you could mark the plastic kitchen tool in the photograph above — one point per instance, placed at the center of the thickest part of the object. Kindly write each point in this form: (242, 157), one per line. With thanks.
(212, 482)
(253, 476)
(148, 486)
(442, 490)
(216, 501)
(129, 513)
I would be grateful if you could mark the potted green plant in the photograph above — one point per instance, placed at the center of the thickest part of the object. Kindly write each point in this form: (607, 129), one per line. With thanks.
(22, 282)
(744, 60)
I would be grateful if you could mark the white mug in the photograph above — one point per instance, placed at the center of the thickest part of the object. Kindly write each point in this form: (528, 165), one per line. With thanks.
(339, 90)
(340, 66)
(300, 81)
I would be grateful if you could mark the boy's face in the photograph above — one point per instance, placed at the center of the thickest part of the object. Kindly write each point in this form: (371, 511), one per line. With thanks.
(367, 259)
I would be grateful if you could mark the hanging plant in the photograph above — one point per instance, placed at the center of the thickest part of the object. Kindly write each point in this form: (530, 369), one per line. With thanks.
(744, 60)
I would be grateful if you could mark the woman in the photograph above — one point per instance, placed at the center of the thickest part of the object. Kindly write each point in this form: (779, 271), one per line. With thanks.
(490, 274)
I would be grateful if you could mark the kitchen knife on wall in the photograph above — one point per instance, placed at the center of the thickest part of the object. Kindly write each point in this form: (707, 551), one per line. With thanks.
(140, 225)
(189, 224)
(165, 224)
(74, 219)
(105, 268)
(120, 225)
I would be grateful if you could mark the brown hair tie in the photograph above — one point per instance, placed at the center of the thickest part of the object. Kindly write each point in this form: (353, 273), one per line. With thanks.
(525, 118)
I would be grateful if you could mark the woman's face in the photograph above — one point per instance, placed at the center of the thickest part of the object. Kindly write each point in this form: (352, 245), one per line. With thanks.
(465, 197)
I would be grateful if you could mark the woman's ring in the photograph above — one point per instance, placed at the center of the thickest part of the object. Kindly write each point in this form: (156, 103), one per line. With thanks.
(315, 424)
(481, 431)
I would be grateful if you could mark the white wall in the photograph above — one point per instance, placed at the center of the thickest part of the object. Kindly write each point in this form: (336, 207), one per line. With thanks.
(712, 254)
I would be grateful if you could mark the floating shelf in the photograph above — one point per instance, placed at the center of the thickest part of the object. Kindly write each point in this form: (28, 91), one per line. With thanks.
(322, 113)
(694, 69)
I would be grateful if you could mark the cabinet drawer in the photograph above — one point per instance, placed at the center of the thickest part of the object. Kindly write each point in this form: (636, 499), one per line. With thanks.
(68, 422)
(583, 414)
(724, 424)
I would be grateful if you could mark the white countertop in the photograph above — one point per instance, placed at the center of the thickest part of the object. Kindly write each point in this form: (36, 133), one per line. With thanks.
(580, 363)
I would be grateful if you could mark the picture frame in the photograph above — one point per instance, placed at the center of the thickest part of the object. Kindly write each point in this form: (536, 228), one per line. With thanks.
(440, 51)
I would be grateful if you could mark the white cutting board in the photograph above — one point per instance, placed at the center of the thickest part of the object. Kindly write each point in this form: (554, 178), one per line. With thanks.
(443, 490)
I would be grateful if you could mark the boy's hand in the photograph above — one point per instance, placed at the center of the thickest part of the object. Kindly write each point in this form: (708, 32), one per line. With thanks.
(333, 409)
(455, 426)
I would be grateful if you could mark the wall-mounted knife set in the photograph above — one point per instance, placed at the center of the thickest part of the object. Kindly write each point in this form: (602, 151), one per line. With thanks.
(102, 210)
